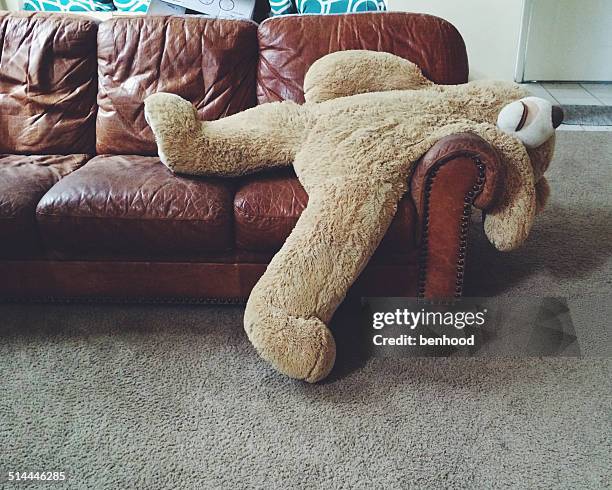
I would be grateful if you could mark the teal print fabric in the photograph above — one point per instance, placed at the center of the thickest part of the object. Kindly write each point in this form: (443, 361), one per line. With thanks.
(281, 7)
(132, 5)
(68, 5)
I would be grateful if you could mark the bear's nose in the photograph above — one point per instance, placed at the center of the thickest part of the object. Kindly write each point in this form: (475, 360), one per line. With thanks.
(557, 116)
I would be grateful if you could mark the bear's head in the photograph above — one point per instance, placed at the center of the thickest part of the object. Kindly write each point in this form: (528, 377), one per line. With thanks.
(532, 121)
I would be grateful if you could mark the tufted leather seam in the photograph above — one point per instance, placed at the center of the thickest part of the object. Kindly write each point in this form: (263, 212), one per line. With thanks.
(468, 145)
(122, 300)
(469, 199)
(118, 218)
(262, 216)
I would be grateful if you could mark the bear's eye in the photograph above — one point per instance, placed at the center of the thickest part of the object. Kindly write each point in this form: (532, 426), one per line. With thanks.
(523, 116)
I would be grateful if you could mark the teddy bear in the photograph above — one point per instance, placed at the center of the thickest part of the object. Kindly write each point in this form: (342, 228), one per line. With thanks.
(367, 118)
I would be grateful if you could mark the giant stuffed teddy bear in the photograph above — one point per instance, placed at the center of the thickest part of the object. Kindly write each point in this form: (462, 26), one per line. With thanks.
(368, 117)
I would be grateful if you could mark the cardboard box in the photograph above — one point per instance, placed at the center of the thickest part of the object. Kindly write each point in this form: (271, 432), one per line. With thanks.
(232, 9)
(158, 7)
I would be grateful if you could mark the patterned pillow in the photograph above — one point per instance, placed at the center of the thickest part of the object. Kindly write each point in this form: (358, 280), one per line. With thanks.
(69, 5)
(132, 5)
(280, 7)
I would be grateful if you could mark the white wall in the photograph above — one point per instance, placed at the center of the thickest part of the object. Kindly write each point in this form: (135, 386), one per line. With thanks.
(11, 4)
(490, 28)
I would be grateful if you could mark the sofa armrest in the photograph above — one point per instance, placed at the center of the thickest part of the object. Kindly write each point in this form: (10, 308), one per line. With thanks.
(458, 172)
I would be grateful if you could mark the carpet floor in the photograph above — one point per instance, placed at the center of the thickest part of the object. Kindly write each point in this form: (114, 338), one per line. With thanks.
(157, 397)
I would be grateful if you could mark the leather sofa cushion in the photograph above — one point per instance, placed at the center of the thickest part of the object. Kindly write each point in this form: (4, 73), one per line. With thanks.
(126, 205)
(23, 181)
(267, 207)
(47, 83)
(289, 45)
(210, 62)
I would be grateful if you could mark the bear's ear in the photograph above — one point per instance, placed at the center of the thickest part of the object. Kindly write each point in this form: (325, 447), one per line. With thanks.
(508, 224)
(352, 72)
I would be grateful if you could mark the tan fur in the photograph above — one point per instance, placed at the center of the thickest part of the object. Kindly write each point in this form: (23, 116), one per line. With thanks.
(542, 190)
(345, 73)
(353, 156)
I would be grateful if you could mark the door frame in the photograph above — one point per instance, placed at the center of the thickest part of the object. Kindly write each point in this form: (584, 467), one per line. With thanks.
(519, 69)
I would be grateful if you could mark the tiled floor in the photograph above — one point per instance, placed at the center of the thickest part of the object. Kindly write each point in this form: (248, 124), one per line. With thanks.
(575, 94)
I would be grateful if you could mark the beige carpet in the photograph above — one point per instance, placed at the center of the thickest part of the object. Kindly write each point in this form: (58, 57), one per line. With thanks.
(174, 397)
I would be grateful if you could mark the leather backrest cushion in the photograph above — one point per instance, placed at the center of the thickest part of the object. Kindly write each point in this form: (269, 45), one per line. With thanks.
(289, 45)
(210, 62)
(47, 83)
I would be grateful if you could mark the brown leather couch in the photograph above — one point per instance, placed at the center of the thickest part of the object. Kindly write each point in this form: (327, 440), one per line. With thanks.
(87, 211)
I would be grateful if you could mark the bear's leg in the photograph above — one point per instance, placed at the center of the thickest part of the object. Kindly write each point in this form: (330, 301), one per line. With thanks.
(336, 235)
(345, 73)
(262, 137)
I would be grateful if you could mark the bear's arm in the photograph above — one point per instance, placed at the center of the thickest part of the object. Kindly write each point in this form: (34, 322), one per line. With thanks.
(265, 136)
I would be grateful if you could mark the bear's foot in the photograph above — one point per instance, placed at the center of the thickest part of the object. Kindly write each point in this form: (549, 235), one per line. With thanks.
(302, 348)
(176, 127)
